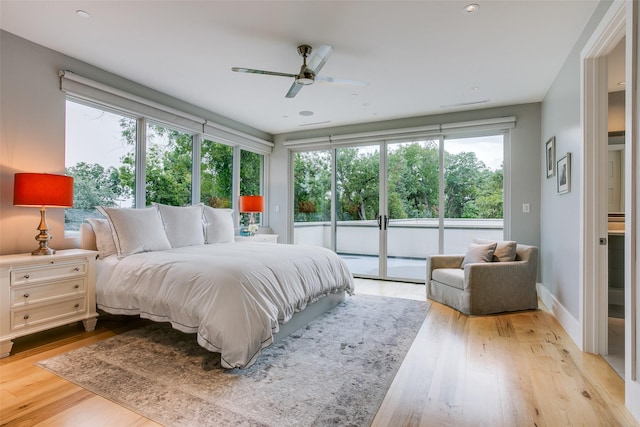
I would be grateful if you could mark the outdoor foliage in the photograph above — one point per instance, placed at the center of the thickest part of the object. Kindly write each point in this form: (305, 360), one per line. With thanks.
(471, 189)
(168, 174)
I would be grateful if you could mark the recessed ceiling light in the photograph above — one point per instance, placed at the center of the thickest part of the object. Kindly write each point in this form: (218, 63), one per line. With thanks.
(83, 13)
(306, 113)
(622, 83)
(471, 8)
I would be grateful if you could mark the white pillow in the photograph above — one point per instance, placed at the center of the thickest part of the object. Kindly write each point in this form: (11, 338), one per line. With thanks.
(183, 224)
(104, 238)
(218, 225)
(136, 230)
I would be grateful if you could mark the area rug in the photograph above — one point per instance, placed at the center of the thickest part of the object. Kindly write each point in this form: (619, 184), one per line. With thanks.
(335, 371)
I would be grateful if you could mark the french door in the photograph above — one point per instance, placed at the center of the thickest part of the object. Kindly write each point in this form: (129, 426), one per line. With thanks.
(385, 207)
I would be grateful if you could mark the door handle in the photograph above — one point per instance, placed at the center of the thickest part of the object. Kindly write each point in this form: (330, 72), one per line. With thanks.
(383, 222)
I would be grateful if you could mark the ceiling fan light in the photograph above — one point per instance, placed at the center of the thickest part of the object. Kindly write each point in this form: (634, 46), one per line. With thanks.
(304, 79)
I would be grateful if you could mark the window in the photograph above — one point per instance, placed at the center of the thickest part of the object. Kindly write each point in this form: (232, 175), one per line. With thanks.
(473, 191)
(168, 166)
(100, 149)
(216, 174)
(251, 173)
(397, 202)
(101, 153)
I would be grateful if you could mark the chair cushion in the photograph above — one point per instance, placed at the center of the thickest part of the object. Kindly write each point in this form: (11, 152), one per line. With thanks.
(479, 253)
(505, 250)
(449, 276)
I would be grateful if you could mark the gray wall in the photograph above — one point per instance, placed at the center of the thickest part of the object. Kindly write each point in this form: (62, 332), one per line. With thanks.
(524, 159)
(32, 130)
(560, 233)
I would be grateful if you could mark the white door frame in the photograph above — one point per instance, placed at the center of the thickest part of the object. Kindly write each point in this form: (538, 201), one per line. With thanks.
(593, 195)
(621, 19)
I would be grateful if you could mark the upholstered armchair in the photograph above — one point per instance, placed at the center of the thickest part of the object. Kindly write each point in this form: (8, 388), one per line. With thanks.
(485, 287)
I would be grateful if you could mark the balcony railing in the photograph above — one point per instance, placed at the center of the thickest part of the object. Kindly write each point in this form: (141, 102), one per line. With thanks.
(408, 242)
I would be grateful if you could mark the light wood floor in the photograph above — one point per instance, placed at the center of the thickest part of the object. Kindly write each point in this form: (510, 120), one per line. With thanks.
(518, 369)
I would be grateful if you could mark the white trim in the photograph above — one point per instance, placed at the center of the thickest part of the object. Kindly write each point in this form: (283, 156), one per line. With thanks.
(97, 93)
(90, 90)
(233, 136)
(593, 213)
(569, 323)
(632, 208)
(473, 126)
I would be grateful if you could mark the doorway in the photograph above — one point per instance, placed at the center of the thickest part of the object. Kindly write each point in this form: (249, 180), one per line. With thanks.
(615, 174)
(385, 206)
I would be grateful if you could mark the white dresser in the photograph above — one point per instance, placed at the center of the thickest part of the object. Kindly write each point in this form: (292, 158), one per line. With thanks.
(43, 292)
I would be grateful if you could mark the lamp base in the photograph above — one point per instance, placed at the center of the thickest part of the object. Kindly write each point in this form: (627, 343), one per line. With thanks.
(44, 237)
(43, 240)
(44, 251)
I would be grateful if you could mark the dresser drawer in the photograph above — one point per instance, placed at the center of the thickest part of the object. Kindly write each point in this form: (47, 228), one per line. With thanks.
(33, 294)
(33, 316)
(48, 272)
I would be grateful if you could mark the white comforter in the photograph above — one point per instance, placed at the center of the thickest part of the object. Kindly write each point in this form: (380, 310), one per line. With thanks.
(232, 294)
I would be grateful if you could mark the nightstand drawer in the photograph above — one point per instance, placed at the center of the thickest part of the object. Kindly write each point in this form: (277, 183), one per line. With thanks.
(32, 316)
(33, 294)
(52, 271)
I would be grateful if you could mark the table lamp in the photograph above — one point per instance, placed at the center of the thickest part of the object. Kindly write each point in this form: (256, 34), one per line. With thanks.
(43, 190)
(251, 205)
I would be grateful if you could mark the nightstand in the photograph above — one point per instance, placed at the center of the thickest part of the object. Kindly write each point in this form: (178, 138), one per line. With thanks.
(44, 292)
(262, 238)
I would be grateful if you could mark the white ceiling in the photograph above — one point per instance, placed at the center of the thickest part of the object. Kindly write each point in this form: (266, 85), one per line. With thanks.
(419, 57)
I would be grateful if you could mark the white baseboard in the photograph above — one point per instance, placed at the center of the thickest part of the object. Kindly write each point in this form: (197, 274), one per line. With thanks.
(570, 324)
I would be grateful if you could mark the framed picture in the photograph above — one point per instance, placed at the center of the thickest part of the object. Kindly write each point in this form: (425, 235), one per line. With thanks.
(550, 149)
(564, 174)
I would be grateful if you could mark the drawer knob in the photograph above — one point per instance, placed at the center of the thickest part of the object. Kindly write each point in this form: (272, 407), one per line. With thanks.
(26, 276)
(76, 306)
(76, 286)
(26, 295)
(76, 269)
(25, 317)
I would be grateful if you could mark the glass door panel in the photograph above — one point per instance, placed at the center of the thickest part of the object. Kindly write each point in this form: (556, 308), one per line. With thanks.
(357, 198)
(312, 198)
(412, 207)
(473, 191)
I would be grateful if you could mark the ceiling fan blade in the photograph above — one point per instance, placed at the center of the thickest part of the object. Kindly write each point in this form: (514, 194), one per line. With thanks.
(293, 90)
(319, 57)
(268, 73)
(325, 79)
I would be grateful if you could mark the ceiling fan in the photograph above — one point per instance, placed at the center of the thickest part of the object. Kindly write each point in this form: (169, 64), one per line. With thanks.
(308, 72)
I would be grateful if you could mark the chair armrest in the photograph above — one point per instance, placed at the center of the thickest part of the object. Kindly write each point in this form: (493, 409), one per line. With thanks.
(442, 261)
(515, 273)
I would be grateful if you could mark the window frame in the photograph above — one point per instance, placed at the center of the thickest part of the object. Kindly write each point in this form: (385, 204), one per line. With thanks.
(197, 138)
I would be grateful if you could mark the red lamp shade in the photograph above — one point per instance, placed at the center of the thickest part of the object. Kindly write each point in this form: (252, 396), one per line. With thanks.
(43, 189)
(251, 204)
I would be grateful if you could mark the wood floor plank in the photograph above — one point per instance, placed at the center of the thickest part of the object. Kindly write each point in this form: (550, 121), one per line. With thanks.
(515, 369)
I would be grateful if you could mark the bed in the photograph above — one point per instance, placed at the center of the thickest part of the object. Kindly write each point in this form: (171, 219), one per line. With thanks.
(237, 298)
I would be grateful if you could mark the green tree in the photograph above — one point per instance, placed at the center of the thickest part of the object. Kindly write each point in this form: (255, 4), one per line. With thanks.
(93, 185)
(357, 178)
(413, 180)
(312, 186)
(216, 180)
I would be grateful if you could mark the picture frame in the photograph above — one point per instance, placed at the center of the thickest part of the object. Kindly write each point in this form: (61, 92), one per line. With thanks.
(564, 174)
(550, 155)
